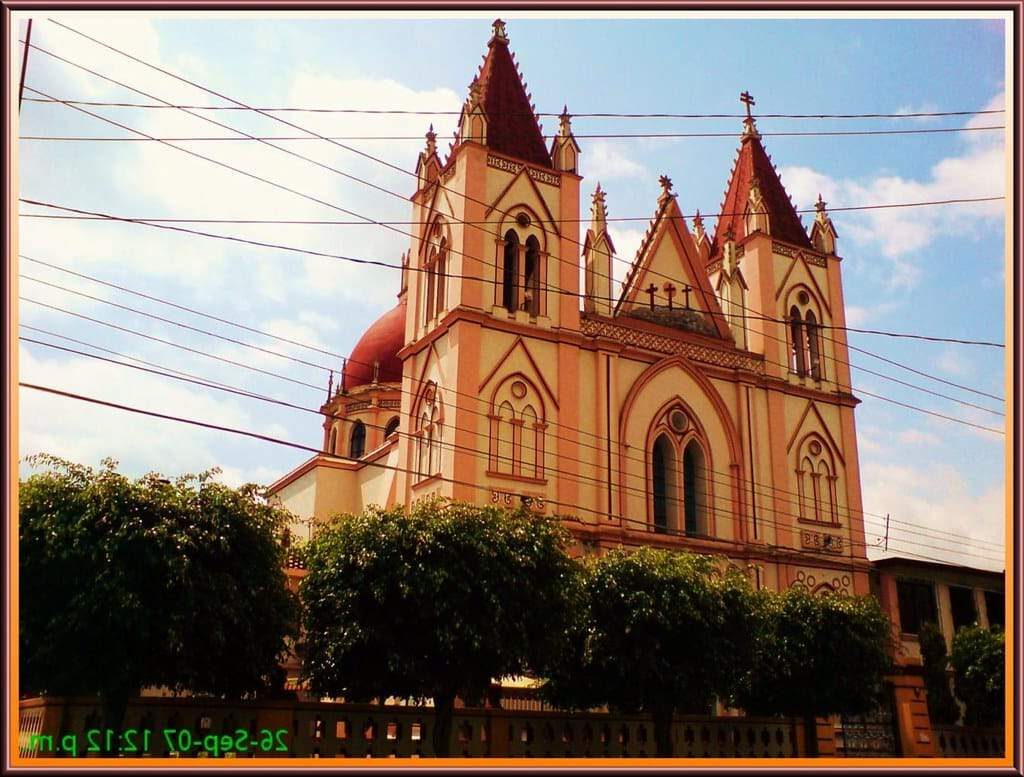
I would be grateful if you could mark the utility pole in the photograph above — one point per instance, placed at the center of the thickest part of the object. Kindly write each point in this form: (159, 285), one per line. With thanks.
(887, 531)
(24, 63)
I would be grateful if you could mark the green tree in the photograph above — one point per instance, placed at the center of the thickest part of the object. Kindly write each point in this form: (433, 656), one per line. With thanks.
(656, 631)
(817, 655)
(130, 583)
(979, 666)
(433, 602)
(942, 707)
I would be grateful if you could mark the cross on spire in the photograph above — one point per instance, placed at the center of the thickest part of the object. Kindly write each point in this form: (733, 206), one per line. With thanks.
(747, 99)
(652, 290)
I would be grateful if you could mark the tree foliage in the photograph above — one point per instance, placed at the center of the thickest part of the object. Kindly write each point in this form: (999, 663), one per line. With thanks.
(656, 631)
(433, 602)
(817, 655)
(942, 707)
(979, 665)
(130, 583)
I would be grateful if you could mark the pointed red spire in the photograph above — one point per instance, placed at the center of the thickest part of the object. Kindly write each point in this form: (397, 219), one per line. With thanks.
(512, 126)
(753, 162)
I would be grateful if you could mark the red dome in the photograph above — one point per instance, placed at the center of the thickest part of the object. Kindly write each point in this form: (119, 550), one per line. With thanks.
(380, 343)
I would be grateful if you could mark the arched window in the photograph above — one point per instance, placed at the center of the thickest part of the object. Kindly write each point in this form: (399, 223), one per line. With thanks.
(428, 308)
(663, 481)
(532, 277)
(442, 270)
(517, 429)
(816, 483)
(357, 440)
(429, 433)
(798, 350)
(391, 427)
(813, 348)
(332, 442)
(510, 272)
(694, 488)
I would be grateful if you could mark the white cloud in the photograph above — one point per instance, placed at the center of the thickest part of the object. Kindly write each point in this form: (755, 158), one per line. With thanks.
(954, 362)
(603, 162)
(979, 171)
(918, 437)
(937, 499)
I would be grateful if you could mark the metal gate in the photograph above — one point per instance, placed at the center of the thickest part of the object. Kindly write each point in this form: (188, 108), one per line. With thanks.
(874, 735)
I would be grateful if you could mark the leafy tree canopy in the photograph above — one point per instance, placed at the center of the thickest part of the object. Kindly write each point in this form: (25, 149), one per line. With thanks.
(979, 667)
(942, 707)
(433, 602)
(130, 583)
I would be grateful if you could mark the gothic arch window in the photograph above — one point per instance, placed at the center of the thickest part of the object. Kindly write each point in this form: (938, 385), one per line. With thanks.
(679, 485)
(817, 482)
(531, 276)
(510, 272)
(429, 431)
(796, 337)
(813, 329)
(391, 427)
(805, 325)
(694, 488)
(442, 276)
(332, 441)
(518, 426)
(428, 306)
(357, 440)
(663, 485)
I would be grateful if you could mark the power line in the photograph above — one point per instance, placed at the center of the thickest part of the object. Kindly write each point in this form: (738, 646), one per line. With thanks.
(307, 159)
(476, 486)
(575, 115)
(470, 222)
(834, 359)
(757, 490)
(582, 136)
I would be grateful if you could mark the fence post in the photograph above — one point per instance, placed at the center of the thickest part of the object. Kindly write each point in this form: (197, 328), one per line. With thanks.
(911, 707)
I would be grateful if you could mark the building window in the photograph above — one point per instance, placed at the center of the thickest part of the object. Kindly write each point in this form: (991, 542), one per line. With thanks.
(391, 427)
(694, 479)
(429, 432)
(332, 442)
(817, 483)
(428, 307)
(961, 605)
(357, 440)
(797, 350)
(995, 608)
(532, 270)
(663, 482)
(442, 269)
(813, 345)
(916, 602)
(510, 272)
(517, 438)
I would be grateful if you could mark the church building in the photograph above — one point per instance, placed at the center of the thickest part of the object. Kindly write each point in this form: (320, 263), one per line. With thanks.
(706, 405)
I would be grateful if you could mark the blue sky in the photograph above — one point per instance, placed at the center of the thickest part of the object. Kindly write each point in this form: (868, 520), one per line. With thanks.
(937, 270)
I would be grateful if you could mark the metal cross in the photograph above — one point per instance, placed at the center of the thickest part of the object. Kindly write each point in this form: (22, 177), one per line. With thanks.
(670, 290)
(747, 99)
(686, 291)
(652, 289)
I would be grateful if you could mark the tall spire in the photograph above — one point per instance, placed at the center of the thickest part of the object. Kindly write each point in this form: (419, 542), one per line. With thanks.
(754, 173)
(512, 127)
(823, 232)
(598, 251)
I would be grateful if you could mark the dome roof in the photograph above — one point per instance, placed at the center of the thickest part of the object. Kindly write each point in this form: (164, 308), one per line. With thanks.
(380, 343)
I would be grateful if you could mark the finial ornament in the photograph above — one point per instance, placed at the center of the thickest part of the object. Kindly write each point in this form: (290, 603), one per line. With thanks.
(431, 141)
(698, 220)
(819, 206)
(498, 31)
(666, 184)
(564, 125)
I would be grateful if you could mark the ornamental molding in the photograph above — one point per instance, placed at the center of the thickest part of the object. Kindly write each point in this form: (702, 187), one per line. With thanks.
(511, 166)
(784, 249)
(652, 341)
(821, 541)
(391, 404)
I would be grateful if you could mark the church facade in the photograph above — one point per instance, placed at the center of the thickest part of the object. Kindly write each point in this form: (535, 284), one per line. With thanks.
(705, 405)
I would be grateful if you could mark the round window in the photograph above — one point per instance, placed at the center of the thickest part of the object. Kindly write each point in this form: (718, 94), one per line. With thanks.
(677, 420)
(523, 220)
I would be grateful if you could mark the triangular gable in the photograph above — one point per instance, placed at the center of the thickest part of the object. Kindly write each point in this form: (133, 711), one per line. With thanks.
(505, 360)
(668, 254)
(433, 359)
(799, 258)
(812, 410)
(552, 222)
